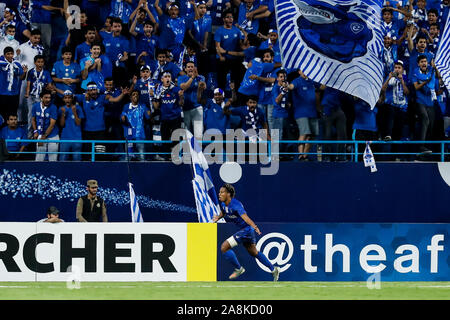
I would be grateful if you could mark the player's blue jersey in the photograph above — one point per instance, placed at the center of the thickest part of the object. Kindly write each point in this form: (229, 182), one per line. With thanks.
(233, 213)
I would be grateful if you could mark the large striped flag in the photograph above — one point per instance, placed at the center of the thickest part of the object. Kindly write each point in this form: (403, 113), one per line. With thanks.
(334, 42)
(136, 215)
(205, 194)
(442, 60)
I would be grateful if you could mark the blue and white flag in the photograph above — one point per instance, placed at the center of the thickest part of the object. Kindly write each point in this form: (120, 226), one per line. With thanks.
(442, 60)
(336, 43)
(136, 215)
(205, 194)
(369, 159)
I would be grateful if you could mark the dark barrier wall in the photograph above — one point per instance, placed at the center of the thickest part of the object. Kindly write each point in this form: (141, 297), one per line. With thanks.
(299, 192)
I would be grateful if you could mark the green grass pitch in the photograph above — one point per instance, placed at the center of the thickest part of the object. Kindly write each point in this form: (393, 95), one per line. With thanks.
(225, 291)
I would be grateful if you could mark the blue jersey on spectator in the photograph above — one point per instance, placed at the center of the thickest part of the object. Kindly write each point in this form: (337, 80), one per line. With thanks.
(82, 51)
(93, 75)
(201, 27)
(250, 120)
(190, 94)
(115, 48)
(169, 102)
(158, 70)
(172, 31)
(427, 94)
(215, 11)
(253, 87)
(43, 116)
(395, 95)
(304, 98)
(39, 15)
(265, 93)
(229, 39)
(279, 109)
(233, 213)
(135, 115)
(113, 109)
(121, 9)
(71, 130)
(331, 100)
(93, 112)
(144, 87)
(38, 81)
(17, 135)
(214, 118)
(250, 26)
(61, 71)
(147, 44)
(365, 116)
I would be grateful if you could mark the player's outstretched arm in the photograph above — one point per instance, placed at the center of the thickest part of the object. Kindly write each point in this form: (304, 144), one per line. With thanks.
(250, 222)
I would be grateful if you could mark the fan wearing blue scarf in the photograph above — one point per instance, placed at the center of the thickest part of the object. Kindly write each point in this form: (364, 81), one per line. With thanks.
(11, 72)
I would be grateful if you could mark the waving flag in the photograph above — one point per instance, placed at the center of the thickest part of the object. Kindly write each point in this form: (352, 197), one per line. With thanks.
(136, 215)
(443, 55)
(334, 42)
(205, 194)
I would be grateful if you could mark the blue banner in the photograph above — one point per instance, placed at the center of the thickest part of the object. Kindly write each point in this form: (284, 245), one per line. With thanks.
(345, 252)
(307, 192)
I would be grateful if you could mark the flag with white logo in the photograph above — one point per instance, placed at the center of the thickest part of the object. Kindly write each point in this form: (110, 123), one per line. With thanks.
(205, 194)
(336, 43)
(136, 215)
(369, 159)
(443, 55)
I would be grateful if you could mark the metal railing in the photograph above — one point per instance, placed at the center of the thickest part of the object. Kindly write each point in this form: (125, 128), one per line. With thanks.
(352, 148)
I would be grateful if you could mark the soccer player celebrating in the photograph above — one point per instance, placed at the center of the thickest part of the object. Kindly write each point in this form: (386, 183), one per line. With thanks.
(233, 210)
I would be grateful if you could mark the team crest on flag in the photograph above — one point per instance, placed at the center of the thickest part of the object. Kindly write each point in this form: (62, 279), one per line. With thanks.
(335, 43)
(443, 55)
(205, 194)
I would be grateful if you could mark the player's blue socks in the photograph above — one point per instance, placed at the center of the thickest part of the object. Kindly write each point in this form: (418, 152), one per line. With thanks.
(263, 259)
(231, 257)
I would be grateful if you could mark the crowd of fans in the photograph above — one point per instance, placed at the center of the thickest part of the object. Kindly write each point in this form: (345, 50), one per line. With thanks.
(139, 69)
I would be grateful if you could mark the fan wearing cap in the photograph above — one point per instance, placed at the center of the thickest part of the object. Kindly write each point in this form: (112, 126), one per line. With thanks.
(248, 11)
(172, 29)
(91, 207)
(70, 116)
(52, 216)
(215, 119)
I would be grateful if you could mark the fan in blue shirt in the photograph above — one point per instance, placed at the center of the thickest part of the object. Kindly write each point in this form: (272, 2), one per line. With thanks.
(233, 211)
(65, 73)
(214, 117)
(83, 50)
(117, 47)
(172, 29)
(251, 116)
